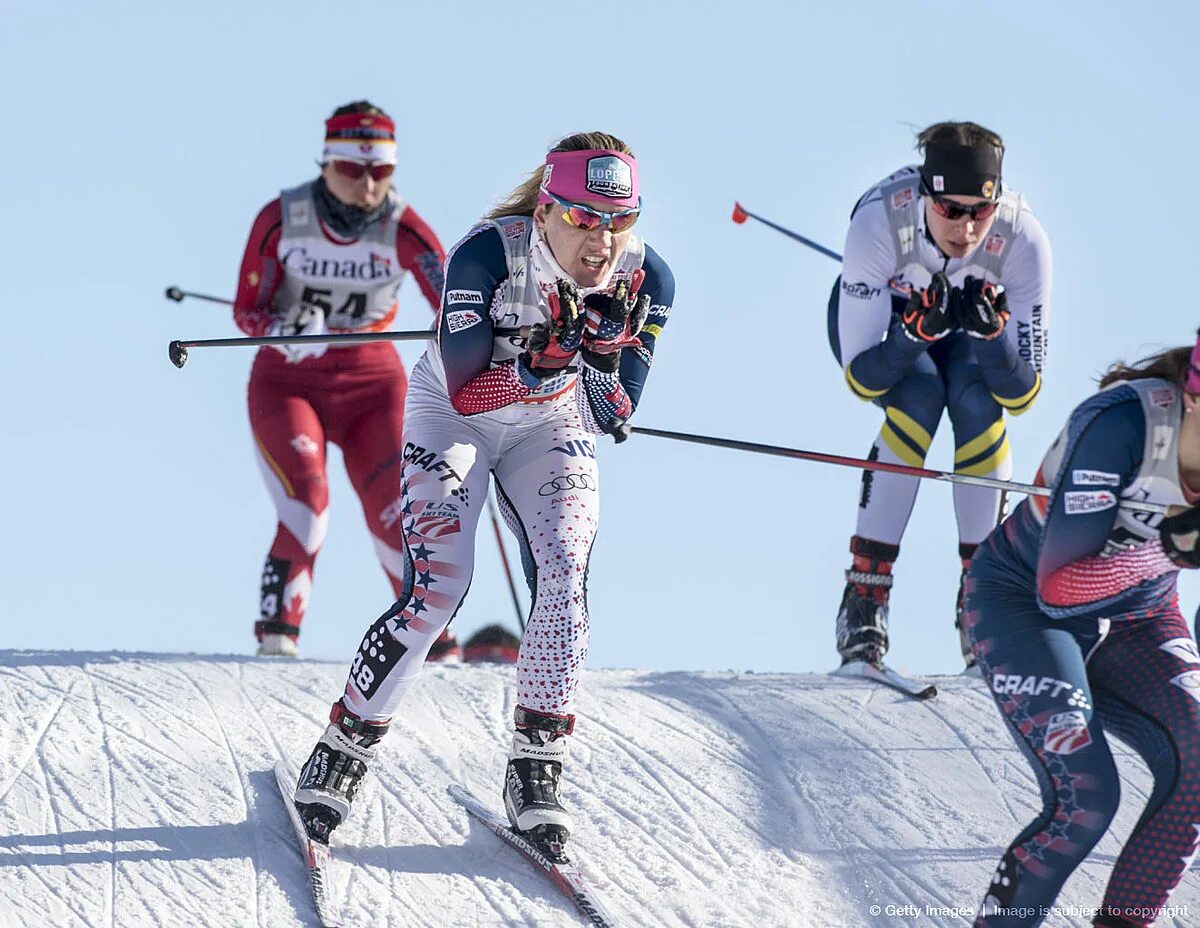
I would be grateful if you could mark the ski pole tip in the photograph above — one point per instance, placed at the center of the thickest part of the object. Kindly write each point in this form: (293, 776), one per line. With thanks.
(739, 214)
(178, 353)
(174, 293)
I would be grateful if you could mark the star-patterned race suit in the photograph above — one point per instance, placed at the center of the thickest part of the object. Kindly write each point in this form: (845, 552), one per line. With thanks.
(352, 396)
(1073, 612)
(469, 415)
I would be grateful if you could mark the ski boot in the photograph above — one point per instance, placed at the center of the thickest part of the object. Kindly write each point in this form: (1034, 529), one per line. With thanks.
(330, 779)
(273, 645)
(863, 615)
(531, 781)
(276, 639)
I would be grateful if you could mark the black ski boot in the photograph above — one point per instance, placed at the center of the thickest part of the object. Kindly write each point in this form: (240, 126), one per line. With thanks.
(862, 620)
(531, 781)
(330, 779)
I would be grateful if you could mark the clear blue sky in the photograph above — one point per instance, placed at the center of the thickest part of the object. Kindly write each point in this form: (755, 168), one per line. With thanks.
(142, 139)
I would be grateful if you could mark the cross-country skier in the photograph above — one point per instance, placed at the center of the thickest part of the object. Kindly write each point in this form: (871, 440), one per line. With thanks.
(942, 306)
(559, 255)
(329, 256)
(1072, 607)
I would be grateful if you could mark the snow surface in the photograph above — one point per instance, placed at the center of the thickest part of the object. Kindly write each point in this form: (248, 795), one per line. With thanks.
(136, 790)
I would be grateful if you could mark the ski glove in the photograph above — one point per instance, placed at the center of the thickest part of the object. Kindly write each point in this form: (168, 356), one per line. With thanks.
(613, 321)
(305, 319)
(982, 308)
(1180, 534)
(553, 344)
(928, 317)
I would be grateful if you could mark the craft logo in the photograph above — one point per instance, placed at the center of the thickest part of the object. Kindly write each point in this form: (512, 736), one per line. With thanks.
(1083, 502)
(608, 176)
(860, 290)
(1066, 733)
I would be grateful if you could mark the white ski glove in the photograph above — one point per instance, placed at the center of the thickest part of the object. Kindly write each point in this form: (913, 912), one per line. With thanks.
(304, 320)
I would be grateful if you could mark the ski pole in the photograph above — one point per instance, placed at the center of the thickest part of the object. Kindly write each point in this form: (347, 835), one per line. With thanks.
(512, 586)
(963, 479)
(741, 214)
(174, 293)
(178, 349)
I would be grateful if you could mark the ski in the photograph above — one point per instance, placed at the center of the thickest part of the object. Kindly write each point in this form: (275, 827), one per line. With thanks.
(565, 876)
(317, 855)
(881, 673)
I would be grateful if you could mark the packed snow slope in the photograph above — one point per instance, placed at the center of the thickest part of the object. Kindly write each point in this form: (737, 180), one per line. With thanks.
(136, 790)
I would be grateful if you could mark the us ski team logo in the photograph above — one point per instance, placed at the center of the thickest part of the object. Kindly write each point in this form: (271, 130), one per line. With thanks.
(1066, 733)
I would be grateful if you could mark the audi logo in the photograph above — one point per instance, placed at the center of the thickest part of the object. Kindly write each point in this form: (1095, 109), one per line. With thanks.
(567, 482)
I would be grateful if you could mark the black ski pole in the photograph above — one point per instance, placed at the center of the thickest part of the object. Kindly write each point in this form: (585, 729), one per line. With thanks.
(178, 349)
(174, 293)
(741, 214)
(969, 480)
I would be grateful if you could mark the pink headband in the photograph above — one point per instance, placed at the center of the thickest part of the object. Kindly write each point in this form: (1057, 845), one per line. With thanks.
(1191, 382)
(596, 174)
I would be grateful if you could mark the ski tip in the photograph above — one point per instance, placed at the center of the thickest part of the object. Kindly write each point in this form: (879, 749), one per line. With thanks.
(739, 214)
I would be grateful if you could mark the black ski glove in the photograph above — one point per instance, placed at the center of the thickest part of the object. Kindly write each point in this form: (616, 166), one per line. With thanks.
(1180, 534)
(928, 317)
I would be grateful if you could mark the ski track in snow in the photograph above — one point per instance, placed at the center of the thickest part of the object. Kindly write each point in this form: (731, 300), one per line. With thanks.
(137, 791)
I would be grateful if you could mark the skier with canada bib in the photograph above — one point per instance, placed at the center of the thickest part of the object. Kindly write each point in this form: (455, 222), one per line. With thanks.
(1073, 612)
(942, 307)
(561, 257)
(328, 257)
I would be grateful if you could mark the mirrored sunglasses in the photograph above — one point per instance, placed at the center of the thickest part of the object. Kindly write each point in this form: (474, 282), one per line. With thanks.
(948, 209)
(354, 170)
(584, 217)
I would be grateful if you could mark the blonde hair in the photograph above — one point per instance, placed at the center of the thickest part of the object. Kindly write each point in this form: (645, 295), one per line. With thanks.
(523, 200)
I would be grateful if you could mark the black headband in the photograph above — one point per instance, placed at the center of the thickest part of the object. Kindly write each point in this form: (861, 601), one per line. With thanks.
(961, 171)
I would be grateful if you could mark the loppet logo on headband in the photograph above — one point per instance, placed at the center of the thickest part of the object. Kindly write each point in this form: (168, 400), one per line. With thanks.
(590, 175)
(366, 137)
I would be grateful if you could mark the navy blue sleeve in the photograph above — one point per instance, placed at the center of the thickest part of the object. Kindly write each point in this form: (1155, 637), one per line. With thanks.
(659, 285)
(477, 269)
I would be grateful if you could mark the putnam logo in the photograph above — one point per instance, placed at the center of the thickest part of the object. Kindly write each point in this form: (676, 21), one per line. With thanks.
(1094, 478)
(1082, 502)
(464, 296)
(463, 319)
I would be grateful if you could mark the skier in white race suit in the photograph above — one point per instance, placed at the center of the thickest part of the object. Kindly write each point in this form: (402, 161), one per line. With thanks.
(550, 314)
(943, 306)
